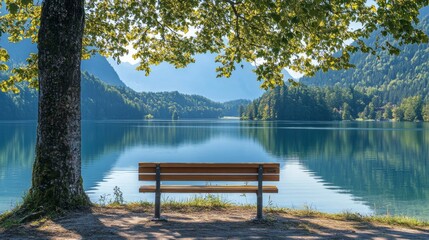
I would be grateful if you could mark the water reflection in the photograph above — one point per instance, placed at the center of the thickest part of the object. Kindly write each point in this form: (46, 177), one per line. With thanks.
(332, 166)
(384, 164)
(17, 142)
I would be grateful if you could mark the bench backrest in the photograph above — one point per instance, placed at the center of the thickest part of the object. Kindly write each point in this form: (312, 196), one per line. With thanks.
(209, 171)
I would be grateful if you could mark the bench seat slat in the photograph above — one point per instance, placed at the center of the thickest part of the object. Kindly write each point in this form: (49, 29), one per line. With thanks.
(200, 177)
(211, 165)
(243, 169)
(209, 189)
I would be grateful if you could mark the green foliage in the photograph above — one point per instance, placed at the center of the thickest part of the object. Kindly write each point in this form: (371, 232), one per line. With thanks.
(117, 194)
(346, 113)
(206, 201)
(398, 114)
(425, 112)
(306, 103)
(388, 112)
(410, 109)
(7, 221)
(396, 220)
(4, 57)
(148, 116)
(118, 200)
(103, 200)
(21, 22)
(174, 115)
(303, 35)
(327, 103)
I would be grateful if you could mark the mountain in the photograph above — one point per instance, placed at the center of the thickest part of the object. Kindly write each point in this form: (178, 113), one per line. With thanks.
(380, 87)
(22, 106)
(97, 65)
(103, 101)
(197, 78)
(390, 77)
(109, 98)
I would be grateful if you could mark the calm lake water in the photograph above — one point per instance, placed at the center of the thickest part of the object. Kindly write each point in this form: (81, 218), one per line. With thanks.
(365, 167)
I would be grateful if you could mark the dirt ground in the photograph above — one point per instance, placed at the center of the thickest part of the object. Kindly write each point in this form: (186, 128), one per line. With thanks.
(235, 223)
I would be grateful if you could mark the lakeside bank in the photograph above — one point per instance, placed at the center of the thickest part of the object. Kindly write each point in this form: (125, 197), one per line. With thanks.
(214, 219)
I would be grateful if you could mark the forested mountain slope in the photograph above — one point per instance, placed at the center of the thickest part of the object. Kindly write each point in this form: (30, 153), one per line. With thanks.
(103, 101)
(311, 103)
(390, 77)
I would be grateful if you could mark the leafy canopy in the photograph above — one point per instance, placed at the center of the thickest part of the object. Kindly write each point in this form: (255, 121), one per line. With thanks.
(304, 35)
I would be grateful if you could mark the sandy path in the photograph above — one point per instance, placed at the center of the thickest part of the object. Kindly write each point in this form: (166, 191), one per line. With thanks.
(221, 224)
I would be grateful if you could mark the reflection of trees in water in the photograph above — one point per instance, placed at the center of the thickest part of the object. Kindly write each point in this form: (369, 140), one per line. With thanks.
(102, 143)
(99, 139)
(17, 145)
(388, 169)
(17, 142)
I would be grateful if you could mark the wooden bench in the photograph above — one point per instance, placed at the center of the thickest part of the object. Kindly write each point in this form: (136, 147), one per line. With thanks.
(243, 172)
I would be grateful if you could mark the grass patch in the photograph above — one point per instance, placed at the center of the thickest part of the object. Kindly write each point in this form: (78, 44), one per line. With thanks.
(17, 217)
(195, 203)
(26, 213)
(355, 217)
(398, 220)
(208, 201)
(6, 221)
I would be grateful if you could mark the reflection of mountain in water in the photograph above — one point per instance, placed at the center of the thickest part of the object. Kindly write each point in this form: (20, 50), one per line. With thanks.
(101, 137)
(103, 142)
(17, 142)
(388, 168)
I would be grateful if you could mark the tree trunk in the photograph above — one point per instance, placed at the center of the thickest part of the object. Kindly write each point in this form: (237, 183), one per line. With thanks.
(57, 182)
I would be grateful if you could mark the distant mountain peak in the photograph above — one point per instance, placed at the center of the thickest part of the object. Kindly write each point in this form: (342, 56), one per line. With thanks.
(197, 78)
(97, 65)
(101, 68)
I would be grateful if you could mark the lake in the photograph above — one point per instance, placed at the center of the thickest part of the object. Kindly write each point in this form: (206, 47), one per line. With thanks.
(365, 167)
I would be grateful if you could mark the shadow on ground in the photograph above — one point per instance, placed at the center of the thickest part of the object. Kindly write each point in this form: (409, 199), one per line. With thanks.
(124, 224)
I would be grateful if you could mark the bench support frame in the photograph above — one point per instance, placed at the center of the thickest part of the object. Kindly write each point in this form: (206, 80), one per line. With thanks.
(259, 215)
(157, 216)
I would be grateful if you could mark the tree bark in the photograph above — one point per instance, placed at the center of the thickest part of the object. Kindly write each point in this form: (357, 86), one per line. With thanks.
(57, 182)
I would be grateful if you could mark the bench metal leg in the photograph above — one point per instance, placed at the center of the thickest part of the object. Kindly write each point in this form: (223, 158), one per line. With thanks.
(157, 216)
(259, 215)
